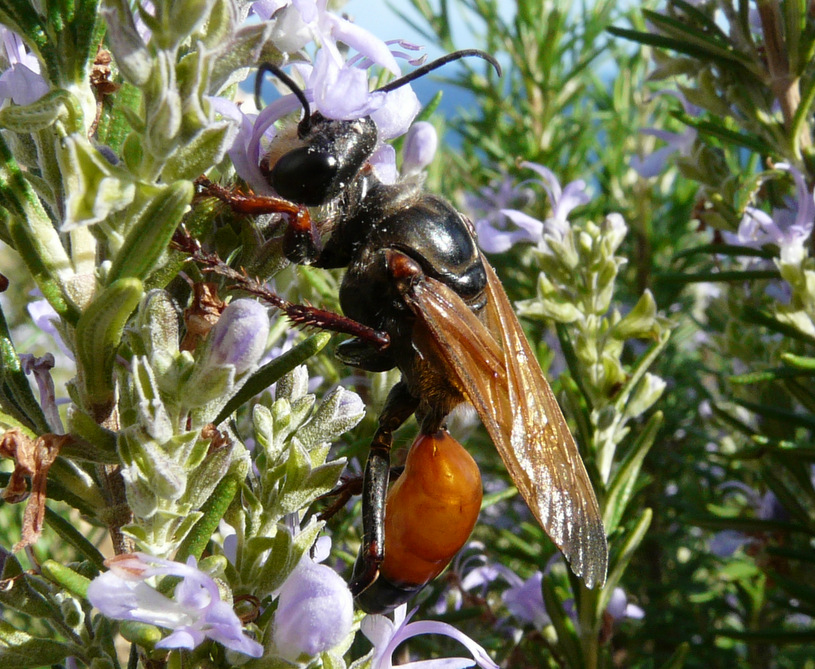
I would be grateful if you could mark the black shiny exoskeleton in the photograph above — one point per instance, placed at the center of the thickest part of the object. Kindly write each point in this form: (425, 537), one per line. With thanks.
(410, 254)
(377, 225)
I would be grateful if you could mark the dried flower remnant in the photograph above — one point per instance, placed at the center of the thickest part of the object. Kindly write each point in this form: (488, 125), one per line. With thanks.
(203, 313)
(32, 458)
(41, 368)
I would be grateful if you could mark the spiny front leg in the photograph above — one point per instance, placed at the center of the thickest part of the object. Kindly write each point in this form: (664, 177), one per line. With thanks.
(301, 241)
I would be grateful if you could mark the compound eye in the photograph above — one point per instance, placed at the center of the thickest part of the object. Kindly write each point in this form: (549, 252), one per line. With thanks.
(305, 176)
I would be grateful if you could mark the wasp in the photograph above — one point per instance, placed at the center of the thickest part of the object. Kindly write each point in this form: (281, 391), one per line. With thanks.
(416, 277)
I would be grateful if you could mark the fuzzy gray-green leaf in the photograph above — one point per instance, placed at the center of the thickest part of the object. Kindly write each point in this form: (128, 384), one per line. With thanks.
(98, 335)
(56, 105)
(148, 238)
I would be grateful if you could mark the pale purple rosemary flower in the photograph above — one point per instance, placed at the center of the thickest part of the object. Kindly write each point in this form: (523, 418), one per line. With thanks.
(494, 236)
(386, 635)
(328, 29)
(142, 29)
(524, 600)
(418, 152)
(239, 152)
(21, 82)
(789, 228)
(315, 608)
(619, 608)
(473, 571)
(485, 208)
(420, 147)
(383, 163)
(765, 507)
(392, 113)
(336, 87)
(339, 88)
(266, 9)
(681, 143)
(45, 318)
(195, 612)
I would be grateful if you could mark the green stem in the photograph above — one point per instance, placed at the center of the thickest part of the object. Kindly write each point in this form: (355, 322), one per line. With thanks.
(589, 627)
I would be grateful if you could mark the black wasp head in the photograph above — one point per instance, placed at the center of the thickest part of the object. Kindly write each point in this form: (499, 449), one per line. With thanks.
(325, 156)
(329, 155)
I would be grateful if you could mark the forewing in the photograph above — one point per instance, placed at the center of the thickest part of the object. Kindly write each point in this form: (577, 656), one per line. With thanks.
(500, 376)
(541, 453)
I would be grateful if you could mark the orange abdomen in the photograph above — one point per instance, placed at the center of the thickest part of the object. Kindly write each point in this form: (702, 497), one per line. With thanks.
(431, 509)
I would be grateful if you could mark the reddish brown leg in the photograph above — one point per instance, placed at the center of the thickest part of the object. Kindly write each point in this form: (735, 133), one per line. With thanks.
(300, 314)
(348, 488)
(301, 242)
(342, 493)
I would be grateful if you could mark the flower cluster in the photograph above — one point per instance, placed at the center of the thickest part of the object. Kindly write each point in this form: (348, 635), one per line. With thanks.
(335, 86)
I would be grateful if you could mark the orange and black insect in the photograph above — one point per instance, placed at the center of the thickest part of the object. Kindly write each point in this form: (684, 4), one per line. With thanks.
(419, 295)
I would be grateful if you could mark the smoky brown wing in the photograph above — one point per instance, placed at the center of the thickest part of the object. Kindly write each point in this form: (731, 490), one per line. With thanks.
(543, 452)
(500, 376)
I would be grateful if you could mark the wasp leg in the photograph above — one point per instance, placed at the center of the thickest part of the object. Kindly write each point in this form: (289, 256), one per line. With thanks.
(301, 241)
(342, 493)
(350, 486)
(303, 315)
(399, 406)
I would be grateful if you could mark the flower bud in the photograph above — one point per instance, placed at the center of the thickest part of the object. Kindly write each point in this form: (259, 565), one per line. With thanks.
(315, 611)
(420, 148)
(239, 337)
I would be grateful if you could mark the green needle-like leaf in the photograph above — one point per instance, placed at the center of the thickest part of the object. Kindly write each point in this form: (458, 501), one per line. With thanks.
(273, 371)
(71, 535)
(149, 237)
(566, 634)
(98, 334)
(66, 577)
(19, 650)
(632, 541)
(57, 105)
(214, 509)
(772, 636)
(622, 485)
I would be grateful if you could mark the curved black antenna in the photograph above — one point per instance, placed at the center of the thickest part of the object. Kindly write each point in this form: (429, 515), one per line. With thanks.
(291, 84)
(435, 64)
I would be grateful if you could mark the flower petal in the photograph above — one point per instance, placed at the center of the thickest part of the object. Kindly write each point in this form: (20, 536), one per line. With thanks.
(342, 92)
(363, 41)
